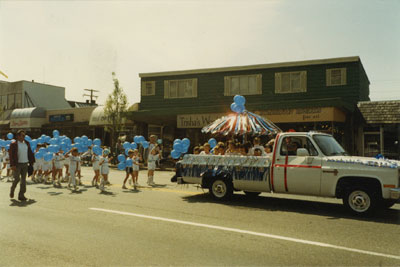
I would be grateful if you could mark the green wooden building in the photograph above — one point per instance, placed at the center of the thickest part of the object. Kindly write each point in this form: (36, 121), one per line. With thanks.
(303, 95)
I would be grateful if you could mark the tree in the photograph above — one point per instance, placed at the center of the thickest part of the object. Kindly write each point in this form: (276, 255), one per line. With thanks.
(115, 109)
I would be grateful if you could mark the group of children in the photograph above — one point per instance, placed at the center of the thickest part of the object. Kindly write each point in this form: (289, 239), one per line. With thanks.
(52, 171)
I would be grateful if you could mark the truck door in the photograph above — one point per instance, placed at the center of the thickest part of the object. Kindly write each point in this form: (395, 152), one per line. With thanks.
(297, 174)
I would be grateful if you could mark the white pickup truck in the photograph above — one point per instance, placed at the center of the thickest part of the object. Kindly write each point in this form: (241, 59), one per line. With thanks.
(309, 163)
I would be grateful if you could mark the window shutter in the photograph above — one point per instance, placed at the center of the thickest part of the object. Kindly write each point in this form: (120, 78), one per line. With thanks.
(277, 83)
(303, 81)
(194, 84)
(227, 86)
(328, 77)
(166, 89)
(259, 83)
(344, 76)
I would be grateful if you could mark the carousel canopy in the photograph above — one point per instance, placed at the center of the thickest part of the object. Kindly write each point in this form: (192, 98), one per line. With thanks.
(242, 123)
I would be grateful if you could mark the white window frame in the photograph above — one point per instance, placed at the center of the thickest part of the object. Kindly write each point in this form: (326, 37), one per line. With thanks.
(228, 85)
(343, 77)
(167, 88)
(148, 85)
(279, 76)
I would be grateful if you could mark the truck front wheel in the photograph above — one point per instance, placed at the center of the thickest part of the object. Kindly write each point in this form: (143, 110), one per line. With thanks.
(360, 200)
(221, 189)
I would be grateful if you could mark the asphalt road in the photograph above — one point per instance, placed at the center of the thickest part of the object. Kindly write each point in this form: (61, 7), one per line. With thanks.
(182, 225)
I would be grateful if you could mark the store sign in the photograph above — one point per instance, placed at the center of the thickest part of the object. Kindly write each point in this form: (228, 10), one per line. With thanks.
(304, 115)
(61, 117)
(24, 123)
(196, 120)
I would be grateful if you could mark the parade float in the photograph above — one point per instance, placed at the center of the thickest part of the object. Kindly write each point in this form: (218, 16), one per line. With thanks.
(302, 163)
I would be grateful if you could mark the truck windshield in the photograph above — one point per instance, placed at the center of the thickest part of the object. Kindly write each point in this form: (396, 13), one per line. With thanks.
(328, 145)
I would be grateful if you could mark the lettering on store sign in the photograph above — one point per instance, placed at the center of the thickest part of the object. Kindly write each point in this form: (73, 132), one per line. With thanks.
(18, 123)
(196, 120)
(301, 114)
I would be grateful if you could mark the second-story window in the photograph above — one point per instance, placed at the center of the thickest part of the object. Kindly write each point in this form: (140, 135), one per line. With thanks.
(335, 77)
(290, 82)
(186, 88)
(148, 88)
(242, 85)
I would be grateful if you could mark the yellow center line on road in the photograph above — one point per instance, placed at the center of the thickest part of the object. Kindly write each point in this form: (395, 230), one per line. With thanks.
(154, 189)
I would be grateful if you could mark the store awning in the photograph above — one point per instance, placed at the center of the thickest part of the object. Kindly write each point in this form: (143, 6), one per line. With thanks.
(28, 117)
(98, 117)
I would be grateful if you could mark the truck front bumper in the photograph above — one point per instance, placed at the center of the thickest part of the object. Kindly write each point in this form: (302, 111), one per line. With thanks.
(395, 193)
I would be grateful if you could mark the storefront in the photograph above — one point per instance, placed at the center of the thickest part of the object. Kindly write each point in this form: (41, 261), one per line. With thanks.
(381, 128)
(29, 119)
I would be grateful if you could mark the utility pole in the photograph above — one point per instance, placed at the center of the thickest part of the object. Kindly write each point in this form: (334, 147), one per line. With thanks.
(92, 96)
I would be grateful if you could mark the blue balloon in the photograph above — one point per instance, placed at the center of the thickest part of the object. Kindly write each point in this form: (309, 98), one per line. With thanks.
(186, 142)
(121, 166)
(239, 100)
(97, 150)
(10, 136)
(121, 158)
(177, 141)
(136, 139)
(127, 150)
(145, 144)
(77, 140)
(47, 139)
(90, 142)
(159, 141)
(185, 150)
(175, 154)
(234, 107)
(212, 142)
(42, 150)
(240, 108)
(67, 140)
(38, 155)
(97, 142)
(178, 147)
(133, 145)
(34, 142)
(28, 138)
(129, 162)
(40, 140)
(126, 145)
(2, 143)
(56, 133)
(141, 139)
(7, 147)
(53, 141)
(8, 142)
(48, 156)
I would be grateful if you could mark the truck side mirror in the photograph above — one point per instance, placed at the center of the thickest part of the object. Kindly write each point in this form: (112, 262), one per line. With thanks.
(302, 152)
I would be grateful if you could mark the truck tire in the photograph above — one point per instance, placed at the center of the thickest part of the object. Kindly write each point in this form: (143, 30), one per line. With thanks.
(252, 194)
(360, 200)
(221, 189)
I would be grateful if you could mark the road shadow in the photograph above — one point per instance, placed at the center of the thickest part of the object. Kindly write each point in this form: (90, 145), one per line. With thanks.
(75, 192)
(131, 191)
(16, 203)
(107, 193)
(158, 186)
(45, 187)
(269, 203)
(55, 193)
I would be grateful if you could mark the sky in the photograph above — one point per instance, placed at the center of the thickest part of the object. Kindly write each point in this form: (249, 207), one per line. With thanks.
(78, 44)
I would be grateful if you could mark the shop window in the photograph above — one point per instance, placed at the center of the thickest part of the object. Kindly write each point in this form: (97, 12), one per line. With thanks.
(243, 85)
(335, 77)
(148, 88)
(11, 101)
(291, 82)
(180, 88)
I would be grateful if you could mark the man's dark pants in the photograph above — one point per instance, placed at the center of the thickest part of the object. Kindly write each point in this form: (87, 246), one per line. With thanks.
(21, 171)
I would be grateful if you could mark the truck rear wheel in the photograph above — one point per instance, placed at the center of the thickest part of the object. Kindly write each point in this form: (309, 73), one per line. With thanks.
(360, 200)
(221, 189)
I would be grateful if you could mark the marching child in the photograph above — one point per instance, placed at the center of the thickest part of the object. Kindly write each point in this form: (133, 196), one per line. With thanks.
(7, 162)
(96, 169)
(58, 165)
(129, 170)
(104, 168)
(66, 165)
(74, 160)
(135, 166)
(1, 161)
(37, 167)
(47, 167)
(151, 165)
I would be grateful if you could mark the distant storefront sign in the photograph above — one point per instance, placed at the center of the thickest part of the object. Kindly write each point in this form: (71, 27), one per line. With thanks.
(196, 120)
(61, 118)
(313, 114)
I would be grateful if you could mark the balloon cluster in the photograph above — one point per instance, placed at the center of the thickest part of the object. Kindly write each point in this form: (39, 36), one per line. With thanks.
(180, 147)
(127, 162)
(238, 104)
